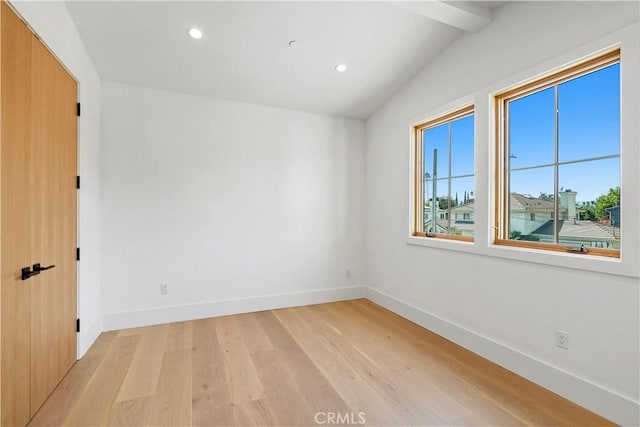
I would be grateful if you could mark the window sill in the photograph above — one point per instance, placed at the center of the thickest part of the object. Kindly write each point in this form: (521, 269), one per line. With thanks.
(441, 243)
(566, 260)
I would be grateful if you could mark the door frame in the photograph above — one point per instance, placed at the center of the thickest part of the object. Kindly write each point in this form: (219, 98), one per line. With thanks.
(78, 131)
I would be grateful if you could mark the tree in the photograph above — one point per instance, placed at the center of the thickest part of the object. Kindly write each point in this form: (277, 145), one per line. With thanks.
(589, 212)
(444, 202)
(596, 211)
(516, 235)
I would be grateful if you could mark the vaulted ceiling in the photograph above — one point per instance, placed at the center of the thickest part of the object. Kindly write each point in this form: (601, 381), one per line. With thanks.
(245, 52)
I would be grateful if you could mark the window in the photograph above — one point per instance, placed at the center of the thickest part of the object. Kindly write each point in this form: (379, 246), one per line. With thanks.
(559, 156)
(444, 176)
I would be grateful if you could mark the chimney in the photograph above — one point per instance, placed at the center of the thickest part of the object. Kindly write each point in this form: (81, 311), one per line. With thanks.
(568, 201)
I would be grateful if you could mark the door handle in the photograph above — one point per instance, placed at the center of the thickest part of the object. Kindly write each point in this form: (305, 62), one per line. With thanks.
(38, 268)
(26, 272)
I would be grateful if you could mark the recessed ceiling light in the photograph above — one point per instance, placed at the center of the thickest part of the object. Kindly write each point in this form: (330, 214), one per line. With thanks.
(195, 33)
(293, 43)
(341, 68)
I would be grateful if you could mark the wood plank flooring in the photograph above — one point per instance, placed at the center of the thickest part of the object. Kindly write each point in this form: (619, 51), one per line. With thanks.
(340, 363)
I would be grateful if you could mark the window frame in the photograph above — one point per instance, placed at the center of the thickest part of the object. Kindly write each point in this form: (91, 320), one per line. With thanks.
(500, 102)
(418, 167)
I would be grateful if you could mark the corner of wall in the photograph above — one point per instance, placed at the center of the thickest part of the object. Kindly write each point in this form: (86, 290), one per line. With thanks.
(88, 335)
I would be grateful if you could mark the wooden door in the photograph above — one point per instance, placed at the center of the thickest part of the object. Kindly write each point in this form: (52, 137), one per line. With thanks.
(16, 221)
(53, 227)
(38, 206)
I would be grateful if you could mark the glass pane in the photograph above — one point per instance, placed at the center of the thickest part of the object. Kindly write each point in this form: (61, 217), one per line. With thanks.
(428, 204)
(531, 205)
(462, 146)
(590, 204)
(440, 207)
(462, 211)
(436, 138)
(589, 118)
(531, 130)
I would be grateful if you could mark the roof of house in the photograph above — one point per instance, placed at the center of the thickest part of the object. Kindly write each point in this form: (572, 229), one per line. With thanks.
(580, 230)
(441, 225)
(521, 202)
(518, 202)
(466, 207)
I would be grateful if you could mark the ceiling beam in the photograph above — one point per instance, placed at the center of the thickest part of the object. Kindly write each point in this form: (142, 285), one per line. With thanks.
(464, 15)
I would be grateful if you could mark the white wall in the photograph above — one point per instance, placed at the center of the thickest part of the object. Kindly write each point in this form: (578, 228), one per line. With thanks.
(506, 304)
(236, 207)
(51, 21)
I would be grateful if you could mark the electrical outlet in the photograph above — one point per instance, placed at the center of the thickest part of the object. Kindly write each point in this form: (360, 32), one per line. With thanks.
(562, 339)
(164, 288)
(348, 273)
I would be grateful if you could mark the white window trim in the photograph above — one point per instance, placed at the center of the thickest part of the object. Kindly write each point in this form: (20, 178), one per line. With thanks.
(485, 171)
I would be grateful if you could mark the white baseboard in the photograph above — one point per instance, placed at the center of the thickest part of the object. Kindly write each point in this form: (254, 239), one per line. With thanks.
(180, 313)
(606, 403)
(88, 334)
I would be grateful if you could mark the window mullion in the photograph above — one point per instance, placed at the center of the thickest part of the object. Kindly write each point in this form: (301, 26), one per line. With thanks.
(449, 182)
(434, 198)
(555, 167)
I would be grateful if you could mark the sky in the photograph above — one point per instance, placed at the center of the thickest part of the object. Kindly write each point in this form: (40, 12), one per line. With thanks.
(588, 126)
(461, 157)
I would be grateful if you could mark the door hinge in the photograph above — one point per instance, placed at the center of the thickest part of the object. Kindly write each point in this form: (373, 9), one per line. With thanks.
(78, 109)
(77, 254)
(77, 325)
(78, 182)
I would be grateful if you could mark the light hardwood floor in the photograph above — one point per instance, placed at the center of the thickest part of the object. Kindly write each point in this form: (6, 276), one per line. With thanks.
(294, 367)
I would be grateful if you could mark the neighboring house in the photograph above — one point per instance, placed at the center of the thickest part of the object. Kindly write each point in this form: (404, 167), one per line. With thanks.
(464, 212)
(527, 214)
(441, 226)
(462, 220)
(440, 214)
(576, 232)
(530, 213)
(530, 216)
(534, 217)
(442, 220)
(614, 215)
